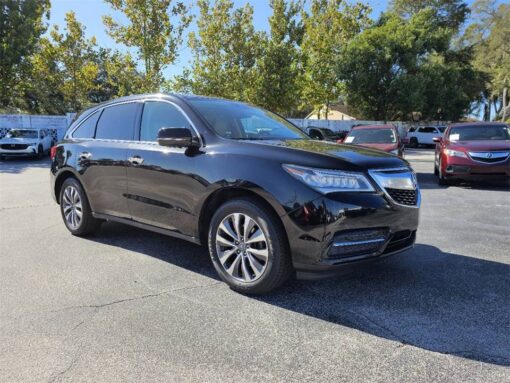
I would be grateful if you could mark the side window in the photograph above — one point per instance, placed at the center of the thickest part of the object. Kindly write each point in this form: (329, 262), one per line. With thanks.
(157, 115)
(117, 122)
(412, 130)
(88, 127)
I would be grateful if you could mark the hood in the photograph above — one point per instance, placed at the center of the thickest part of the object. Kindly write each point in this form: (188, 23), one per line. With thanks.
(20, 140)
(325, 154)
(383, 147)
(480, 146)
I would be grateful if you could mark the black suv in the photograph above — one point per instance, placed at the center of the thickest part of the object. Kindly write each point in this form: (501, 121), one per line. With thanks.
(264, 197)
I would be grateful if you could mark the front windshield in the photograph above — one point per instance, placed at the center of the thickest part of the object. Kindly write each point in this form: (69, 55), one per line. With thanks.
(15, 133)
(238, 121)
(480, 133)
(371, 136)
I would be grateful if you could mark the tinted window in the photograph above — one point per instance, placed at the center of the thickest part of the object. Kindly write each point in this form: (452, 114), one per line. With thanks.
(412, 130)
(88, 127)
(239, 121)
(480, 133)
(117, 122)
(157, 115)
(428, 130)
(371, 136)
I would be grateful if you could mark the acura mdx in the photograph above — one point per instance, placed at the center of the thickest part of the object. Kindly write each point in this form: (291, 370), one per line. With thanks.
(267, 200)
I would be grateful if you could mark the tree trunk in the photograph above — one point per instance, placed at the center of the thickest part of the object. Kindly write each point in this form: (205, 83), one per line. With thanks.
(504, 104)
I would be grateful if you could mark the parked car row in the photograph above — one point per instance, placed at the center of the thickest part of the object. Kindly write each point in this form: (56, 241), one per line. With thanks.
(26, 142)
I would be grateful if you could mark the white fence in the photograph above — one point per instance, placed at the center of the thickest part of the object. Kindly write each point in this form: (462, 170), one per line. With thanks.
(56, 125)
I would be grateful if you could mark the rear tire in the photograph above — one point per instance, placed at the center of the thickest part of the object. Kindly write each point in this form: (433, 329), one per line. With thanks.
(75, 209)
(254, 257)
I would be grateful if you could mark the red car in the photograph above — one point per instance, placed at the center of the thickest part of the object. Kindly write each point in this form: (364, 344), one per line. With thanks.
(382, 137)
(473, 151)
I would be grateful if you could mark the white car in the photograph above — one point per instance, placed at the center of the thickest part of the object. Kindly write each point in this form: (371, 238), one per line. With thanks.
(424, 135)
(26, 142)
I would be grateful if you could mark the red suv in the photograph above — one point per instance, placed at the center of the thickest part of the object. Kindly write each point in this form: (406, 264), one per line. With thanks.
(382, 137)
(473, 151)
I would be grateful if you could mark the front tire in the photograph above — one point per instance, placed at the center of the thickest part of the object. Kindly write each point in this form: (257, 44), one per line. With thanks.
(248, 247)
(75, 209)
(441, 179)
(414, 142)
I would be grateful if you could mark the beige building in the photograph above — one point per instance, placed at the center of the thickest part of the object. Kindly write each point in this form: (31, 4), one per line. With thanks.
(336, 112)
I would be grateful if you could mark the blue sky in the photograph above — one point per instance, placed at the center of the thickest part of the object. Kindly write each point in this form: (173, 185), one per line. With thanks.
(89, 13)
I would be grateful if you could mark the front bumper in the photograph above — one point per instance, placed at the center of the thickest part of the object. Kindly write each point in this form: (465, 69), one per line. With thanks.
(30, 151)
(337, 231)
(466, 169)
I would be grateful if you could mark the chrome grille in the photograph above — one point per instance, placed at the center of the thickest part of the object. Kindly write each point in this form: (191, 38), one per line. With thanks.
(14, 146)
(399, 184)
(489, 157)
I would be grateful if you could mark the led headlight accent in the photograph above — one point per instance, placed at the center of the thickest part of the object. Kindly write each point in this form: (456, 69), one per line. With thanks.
(455, 153)
(328, 181)
(404, 180)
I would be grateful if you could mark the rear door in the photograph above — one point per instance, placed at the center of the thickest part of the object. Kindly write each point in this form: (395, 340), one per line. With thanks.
(102, 160)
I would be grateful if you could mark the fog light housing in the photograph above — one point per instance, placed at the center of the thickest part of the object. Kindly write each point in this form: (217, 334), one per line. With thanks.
(358, 243)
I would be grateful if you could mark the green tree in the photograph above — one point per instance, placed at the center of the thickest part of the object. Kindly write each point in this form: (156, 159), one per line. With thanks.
(447, 13)
(330, 25)
(152, 31)
(225, 49)
(489, 35)
(279, 69)
(64, 68)
(21, 25)
(117, 76)
(401, 66)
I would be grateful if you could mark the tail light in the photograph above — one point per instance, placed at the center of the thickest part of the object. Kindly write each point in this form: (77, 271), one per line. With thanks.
(53, 152)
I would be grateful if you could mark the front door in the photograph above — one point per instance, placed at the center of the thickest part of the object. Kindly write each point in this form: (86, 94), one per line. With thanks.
(161, 180)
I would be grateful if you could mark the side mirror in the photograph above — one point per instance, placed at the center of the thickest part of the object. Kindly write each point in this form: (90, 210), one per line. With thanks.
(176, 138)
(437, 139)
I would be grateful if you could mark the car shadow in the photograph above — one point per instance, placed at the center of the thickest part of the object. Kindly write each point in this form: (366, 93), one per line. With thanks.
(429, 181)
(20, 164)
(426, 298)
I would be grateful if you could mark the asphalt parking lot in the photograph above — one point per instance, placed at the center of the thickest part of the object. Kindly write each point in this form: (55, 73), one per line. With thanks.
(129, 305)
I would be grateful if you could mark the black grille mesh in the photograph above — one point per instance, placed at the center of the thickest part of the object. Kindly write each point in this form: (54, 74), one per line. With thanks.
(403, 197)
(14, 146)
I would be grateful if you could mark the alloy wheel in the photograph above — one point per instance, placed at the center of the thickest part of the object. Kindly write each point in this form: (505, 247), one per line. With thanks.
(72, 207)
(242, 247)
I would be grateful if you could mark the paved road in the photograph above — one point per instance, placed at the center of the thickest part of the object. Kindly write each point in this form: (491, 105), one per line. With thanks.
(135, 306)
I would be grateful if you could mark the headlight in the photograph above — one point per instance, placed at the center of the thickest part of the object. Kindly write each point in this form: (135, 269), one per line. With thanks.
(395, 152)
(455, 153)
(328, 181)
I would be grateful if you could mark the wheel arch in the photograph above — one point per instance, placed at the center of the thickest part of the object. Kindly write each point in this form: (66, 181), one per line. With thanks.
(60, 179)
(218, 197)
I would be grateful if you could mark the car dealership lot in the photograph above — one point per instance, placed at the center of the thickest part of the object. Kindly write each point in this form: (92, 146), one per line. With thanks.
(129, 305)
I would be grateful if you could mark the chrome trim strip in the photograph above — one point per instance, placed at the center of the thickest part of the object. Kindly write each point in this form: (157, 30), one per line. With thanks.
(151, 99)
(367, 242)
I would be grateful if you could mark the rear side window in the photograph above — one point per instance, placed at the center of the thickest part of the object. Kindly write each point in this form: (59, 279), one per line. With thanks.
(428, 130)
(412, 130)
(157, 115)
(88, 127)
(117, 122)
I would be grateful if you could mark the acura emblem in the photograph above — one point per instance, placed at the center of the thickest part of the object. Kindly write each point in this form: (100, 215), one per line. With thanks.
(13, 145)
(489, 155)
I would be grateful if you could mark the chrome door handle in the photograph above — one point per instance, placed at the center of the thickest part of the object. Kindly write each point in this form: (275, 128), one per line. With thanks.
(84, 156)
(135, 160)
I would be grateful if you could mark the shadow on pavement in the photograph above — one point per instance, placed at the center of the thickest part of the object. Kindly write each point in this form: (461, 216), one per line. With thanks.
(20, 164)
(426, 298)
